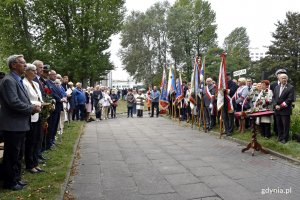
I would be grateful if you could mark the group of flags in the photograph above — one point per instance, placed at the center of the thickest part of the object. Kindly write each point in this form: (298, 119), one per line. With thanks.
(171, 85)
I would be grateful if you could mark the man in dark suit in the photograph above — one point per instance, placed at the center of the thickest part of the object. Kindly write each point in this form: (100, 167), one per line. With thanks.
(284, 95)
(15, 113)
(228, 117)
(272, 87)
(209, 104)
(54, 118)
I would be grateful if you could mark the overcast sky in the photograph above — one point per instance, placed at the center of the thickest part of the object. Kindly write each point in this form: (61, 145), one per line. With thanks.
(257, 16)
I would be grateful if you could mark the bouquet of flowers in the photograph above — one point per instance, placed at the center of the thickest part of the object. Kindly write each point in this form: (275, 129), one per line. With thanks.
(47, 107)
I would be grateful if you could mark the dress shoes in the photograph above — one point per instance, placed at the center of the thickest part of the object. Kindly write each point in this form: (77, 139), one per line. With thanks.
(33, 171)
(14, 187)
(282, 141)
(23, 184)
(40, 170)
(43, 157)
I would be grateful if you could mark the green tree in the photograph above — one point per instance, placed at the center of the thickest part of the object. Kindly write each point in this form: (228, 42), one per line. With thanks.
(236, 44)
(191, 31)
(285, 49)
(144, 42)
(71, 35)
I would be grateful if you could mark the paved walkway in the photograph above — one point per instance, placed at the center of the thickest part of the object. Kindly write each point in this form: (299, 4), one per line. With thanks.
(156, 159)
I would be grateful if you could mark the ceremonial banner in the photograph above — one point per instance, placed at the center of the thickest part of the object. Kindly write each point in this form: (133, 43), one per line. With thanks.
(202, 72)
(179, 89)
(171, 81)
(163, 101)
(223, 86)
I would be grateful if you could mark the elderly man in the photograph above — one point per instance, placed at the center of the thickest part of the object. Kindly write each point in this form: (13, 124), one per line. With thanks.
(284, 96)
(272, 87)
(209, 104)
(15, 112)
(54, 118)
(155, 101)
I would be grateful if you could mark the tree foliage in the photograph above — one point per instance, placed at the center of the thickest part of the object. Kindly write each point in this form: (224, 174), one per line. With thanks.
(236, 45)
(144, 42)
(285, 49)
(191, 31)
(71, 35)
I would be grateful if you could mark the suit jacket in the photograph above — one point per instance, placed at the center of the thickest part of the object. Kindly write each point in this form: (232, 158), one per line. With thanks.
(56, 94)
(209, 98)
(15, 108)
(273, 85)
(41, 85)
(284, 100)
(34, 96)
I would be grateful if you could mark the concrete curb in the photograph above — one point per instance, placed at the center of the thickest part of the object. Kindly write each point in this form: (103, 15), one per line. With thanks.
(65, 184)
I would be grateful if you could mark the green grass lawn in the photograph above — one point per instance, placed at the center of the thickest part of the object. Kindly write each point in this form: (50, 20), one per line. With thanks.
(49, 185)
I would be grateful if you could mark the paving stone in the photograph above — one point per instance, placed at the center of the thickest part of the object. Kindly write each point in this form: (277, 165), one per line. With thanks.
(194, 163)
(87, 179)
(172, 169)
(122, 195)
(181, 179)
(152, 184)
(87, 191)
(170, 196)
(88, 169)
(118, 183)
(238, 173)
(196, 190)
(204, 171)
(155, 159)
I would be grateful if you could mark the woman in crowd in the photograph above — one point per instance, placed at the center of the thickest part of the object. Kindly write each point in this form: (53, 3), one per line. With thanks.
(97, 95)
(130, 101)
(263, 102)
(88, 104)
(34, 136)
(140, 99)
(134, 103)
(148, 97)
(106, 102)
(114, 98)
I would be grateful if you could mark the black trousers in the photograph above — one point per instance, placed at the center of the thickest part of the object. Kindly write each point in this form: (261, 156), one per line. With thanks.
(32, 141)
(53, 122)
(265, 129)
(283, 126)
(228, 119)
(129, 111)
(155, 105)
(113, 111)
(12, 157)
(140, 113)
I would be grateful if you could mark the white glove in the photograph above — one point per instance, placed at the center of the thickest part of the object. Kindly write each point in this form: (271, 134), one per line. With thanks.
(210, 106)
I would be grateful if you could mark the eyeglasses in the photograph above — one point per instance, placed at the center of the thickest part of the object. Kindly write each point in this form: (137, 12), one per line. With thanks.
(21, 62)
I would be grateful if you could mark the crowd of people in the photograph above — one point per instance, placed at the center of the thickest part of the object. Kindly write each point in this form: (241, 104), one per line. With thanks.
(35, 102)
(242, 95)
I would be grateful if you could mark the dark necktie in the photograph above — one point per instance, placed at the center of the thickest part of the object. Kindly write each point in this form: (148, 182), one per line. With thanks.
(21, 81)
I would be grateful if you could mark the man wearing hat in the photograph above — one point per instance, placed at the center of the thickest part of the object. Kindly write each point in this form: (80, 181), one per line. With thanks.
(272, 87)
(284, 96)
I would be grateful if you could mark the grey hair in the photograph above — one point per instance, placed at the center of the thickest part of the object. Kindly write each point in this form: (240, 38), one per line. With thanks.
(12, 59)
(58, 76)
(30, 67)
(37, 62)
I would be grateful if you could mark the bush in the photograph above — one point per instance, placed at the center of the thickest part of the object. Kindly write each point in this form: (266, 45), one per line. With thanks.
(295, 122)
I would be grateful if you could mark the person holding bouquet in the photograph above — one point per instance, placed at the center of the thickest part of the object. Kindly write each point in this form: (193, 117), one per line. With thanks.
(264, 102)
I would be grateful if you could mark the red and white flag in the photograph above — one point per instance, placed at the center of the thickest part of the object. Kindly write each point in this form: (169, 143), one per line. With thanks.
(223, 86)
